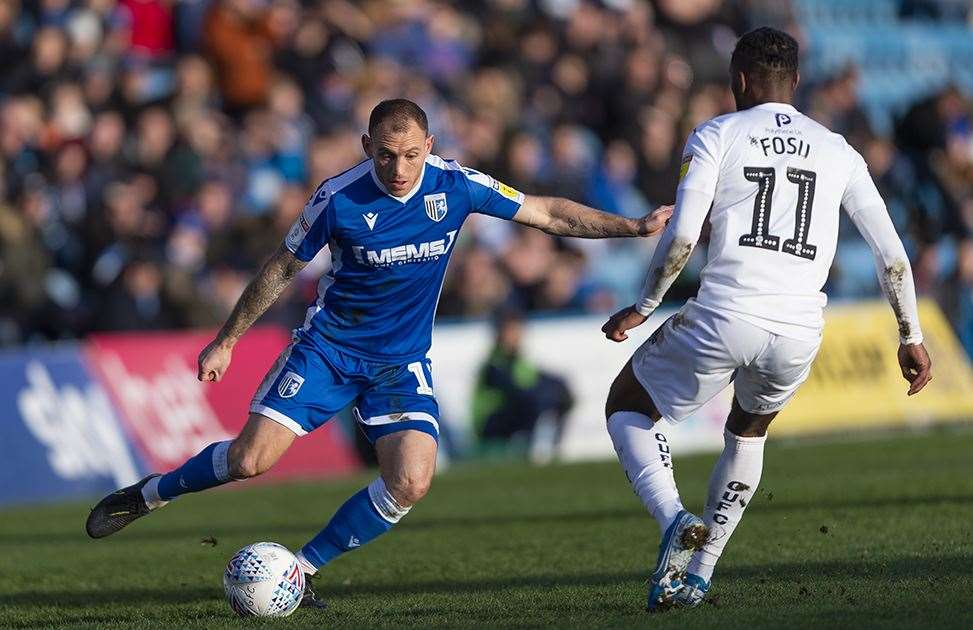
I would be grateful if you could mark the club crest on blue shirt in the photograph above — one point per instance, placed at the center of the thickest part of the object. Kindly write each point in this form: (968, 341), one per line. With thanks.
(290, 385)
(436, 206)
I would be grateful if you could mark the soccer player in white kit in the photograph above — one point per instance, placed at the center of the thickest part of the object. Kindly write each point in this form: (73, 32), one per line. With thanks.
(771, 182)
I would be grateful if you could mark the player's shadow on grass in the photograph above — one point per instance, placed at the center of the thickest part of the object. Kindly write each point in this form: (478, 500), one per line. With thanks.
(88, 606)
(191, 532)
(94, 598)
(259, 529)
(890, 570)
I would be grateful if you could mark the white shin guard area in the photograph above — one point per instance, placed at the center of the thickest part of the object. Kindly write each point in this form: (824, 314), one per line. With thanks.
(221, 461)
(385, 503)
(731, 488)
(645, 456)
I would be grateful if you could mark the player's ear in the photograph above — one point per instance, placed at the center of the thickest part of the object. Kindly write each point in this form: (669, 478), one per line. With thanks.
(797, 80)
(366, 144)
(740, 82)
(430, 140)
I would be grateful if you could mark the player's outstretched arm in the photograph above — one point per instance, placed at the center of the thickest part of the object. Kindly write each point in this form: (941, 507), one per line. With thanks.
(866, 208)
(563, 217)
(262, 291)
(895, 277)
(670, 257)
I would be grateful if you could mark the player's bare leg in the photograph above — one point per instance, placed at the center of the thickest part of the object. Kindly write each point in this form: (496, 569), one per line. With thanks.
(731, 488)
(407, 461)
(258, 447)
(644, 453)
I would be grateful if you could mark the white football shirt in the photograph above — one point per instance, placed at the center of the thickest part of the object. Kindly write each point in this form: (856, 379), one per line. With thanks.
(776, 180)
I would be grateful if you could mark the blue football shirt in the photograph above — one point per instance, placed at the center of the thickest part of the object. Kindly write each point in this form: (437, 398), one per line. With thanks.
(388, 254)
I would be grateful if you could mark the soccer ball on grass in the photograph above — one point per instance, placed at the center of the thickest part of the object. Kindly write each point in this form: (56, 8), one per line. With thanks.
(263, 580)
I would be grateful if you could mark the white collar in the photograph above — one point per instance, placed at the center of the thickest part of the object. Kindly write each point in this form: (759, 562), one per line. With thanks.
(787, 107)
(404, 198)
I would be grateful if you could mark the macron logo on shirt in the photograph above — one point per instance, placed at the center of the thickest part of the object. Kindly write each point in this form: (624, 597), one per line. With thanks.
(405, 254)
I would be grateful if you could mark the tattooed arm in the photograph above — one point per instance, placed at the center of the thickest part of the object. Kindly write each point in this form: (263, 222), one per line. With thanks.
(561, 217)
(262, 291)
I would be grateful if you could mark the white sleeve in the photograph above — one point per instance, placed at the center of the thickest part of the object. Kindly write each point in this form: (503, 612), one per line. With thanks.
(700, 168)
(698, 177)
(867, 210)
(860, 191)
(675, 247)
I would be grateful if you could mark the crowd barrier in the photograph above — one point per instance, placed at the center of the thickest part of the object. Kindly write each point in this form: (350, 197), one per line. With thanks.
(82, 419)
(855, 384)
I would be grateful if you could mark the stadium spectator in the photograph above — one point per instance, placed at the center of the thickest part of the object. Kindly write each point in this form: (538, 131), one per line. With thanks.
(136, 301)
(184, 129)
(517, 407)
(238, 37)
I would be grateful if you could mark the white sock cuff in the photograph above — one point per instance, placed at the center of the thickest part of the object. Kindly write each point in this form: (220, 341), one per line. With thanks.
(221, 461)
(305, 564)
(633, 418)
(150, 493)
(740, 443)
(384, 502)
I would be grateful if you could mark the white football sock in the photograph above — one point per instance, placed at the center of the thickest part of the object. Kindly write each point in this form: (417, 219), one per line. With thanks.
(150, 493)
(644, 454)
(731, 488)
(385, 504)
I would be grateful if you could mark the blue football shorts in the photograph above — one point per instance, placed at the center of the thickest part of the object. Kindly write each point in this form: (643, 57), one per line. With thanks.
(310, 383)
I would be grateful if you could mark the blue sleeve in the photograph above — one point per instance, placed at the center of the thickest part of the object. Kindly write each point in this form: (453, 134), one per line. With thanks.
(489, 196)
(312, 230)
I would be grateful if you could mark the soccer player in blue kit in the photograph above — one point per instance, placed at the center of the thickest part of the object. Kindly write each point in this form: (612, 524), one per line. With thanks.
(391, 223)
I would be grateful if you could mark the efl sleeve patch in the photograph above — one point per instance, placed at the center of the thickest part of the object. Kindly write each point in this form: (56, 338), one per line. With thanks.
(489, 196)
(700, 167)
(312, 229)
(510, 193)
(684, 167)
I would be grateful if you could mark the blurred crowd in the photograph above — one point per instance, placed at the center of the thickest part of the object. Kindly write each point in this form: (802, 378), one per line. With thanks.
(154, 152)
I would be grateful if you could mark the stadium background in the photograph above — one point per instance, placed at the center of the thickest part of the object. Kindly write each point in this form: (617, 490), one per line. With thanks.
(152, 153)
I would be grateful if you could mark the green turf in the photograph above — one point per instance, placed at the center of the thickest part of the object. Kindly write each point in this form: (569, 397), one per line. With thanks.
(561, 546)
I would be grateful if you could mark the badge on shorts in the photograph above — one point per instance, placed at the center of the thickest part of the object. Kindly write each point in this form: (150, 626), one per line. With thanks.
(290, 385)
(436, 206)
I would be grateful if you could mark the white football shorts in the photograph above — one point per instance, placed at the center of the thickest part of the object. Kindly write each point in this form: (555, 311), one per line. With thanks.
(698, 351)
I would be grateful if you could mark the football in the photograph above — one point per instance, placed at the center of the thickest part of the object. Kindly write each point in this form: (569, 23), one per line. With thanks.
(263, 580)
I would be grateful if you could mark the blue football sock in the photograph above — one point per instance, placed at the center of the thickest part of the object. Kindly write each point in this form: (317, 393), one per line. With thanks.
(208, 469)
(356, 523)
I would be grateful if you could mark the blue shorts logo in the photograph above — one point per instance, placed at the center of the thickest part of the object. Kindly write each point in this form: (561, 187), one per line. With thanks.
(436, 206)
(290, 385)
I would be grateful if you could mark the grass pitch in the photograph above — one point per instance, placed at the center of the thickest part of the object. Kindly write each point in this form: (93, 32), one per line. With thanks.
(875, 533)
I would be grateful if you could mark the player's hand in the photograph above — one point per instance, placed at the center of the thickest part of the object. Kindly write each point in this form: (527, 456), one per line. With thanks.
(916, 366)
(625, 319)
(655, 221)
(214, 361)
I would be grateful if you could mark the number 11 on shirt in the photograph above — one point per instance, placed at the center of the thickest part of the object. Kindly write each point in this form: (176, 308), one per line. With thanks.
(759, 236)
